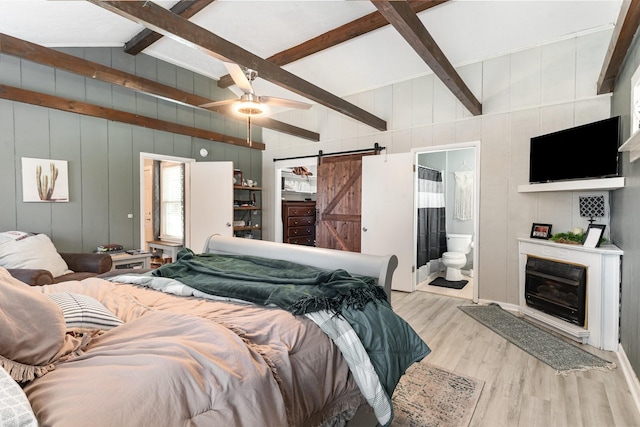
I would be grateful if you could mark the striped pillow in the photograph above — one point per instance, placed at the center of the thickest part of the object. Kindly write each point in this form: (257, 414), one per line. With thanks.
(83, 312)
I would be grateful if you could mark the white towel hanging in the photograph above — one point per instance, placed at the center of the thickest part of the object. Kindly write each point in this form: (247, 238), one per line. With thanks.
(463, 205)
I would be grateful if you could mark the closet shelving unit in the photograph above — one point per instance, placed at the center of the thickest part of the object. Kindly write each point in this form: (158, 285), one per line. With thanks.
(249, 212)
(296, 184)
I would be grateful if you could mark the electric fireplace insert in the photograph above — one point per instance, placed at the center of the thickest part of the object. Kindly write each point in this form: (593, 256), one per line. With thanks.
(556, 288)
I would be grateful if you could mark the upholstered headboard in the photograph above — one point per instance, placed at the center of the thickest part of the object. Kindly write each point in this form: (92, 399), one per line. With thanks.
(380, 268)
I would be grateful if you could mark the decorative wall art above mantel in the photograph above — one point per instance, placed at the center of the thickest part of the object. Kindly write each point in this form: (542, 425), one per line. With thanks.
(44, 180)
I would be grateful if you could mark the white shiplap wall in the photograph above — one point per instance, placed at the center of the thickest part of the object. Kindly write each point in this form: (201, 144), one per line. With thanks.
(524, 94)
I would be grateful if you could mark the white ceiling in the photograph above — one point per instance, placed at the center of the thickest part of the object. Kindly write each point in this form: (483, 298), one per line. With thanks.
(466, 30)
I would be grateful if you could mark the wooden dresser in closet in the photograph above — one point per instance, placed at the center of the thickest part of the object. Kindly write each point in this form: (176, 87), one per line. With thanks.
(299, 222)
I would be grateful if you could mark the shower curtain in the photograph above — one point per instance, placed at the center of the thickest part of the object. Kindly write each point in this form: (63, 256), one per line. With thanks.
(432, 239)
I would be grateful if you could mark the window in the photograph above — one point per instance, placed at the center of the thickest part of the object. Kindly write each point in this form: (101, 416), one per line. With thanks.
(172, 201)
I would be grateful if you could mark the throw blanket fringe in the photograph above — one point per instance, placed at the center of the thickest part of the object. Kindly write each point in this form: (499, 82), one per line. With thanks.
(355, 299)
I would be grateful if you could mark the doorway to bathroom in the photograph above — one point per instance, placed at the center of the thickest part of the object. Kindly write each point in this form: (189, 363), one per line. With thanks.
(447, 215)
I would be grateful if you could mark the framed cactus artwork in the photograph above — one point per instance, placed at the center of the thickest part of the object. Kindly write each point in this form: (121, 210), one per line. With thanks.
(44, 180)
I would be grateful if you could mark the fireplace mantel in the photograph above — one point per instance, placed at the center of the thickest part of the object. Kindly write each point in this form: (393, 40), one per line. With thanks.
(603, 290)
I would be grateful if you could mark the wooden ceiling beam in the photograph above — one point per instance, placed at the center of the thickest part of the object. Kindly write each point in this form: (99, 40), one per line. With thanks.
(402, 17)
(77, 107)
(63, 61)
(341, 34)
(621, 39)
(146, 37)
(167, 23)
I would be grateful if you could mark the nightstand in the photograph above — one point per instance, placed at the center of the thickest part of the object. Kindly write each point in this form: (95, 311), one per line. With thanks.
(125, 260)
(168, 251)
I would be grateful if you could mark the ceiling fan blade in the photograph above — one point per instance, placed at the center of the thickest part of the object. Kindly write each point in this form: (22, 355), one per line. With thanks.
(281, 102)
(218, 103)
(239, 77)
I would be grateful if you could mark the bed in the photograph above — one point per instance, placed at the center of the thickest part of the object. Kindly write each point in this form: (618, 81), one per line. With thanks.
(162, 349)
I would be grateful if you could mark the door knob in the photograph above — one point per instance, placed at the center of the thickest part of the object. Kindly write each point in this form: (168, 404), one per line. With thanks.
(228, 224)
(364, 229)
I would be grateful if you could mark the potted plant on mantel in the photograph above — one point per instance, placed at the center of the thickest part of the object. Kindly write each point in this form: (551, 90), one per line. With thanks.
(571, 238)
(568, 238)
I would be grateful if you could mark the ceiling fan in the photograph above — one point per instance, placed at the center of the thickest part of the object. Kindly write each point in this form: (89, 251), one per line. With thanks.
(249, 104)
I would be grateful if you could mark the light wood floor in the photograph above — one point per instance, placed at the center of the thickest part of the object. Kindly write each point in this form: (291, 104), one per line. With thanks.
(519, 390)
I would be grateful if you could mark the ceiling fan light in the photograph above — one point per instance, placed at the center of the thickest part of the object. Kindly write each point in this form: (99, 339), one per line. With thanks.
(250, 108)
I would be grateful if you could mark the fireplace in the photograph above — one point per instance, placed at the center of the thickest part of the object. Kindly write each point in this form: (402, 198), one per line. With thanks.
(602, 302)
(556, 288)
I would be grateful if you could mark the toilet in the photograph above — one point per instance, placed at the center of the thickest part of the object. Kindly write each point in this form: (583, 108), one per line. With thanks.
(458, 246)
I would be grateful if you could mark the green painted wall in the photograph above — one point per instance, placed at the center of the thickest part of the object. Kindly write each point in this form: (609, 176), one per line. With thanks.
(103, 156)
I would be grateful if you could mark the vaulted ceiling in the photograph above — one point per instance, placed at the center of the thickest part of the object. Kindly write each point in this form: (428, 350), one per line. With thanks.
(323, 51)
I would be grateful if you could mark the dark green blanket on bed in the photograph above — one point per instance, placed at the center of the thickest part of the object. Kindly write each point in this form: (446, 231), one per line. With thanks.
(294, 287)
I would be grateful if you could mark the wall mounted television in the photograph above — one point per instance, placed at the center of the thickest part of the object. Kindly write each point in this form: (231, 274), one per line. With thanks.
(583, 152)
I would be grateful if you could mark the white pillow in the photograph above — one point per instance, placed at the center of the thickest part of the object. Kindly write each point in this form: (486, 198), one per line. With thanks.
(35, 251)
(15, 409)
(6, 236)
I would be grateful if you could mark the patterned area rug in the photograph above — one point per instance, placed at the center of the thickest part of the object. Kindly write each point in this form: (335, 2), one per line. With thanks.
(428, 396)
(562, 356)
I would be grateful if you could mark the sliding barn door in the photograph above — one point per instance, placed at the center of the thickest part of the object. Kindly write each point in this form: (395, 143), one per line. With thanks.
(339, 202)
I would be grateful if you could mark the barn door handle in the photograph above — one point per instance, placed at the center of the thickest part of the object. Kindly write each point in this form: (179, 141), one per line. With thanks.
(364, 229)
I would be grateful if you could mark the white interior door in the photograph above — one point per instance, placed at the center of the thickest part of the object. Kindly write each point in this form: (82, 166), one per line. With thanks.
(388, 224)
(209, 202)
(147, 206)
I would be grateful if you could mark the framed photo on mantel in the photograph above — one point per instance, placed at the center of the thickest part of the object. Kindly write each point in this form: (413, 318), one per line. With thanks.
(593, 235)
(540, 231)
